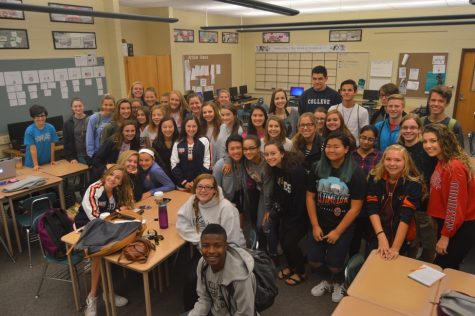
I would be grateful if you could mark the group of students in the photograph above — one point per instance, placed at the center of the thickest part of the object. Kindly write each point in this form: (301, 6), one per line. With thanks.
(325, 171)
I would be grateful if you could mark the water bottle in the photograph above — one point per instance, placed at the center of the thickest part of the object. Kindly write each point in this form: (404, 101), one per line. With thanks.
(162, 210)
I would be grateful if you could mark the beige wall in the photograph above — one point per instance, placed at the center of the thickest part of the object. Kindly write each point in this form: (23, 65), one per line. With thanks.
(381, 43)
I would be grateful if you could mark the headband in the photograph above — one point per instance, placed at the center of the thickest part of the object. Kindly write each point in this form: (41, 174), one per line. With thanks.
(147, 151)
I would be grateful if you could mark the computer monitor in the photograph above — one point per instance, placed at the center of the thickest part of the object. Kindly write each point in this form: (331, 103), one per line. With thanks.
(233, 91)
(371, 95)
(243, 90)
(208, 96)
(57, 122)
(296, 91)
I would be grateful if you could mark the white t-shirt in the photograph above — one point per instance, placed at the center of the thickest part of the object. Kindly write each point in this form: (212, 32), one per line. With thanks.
(355, 118)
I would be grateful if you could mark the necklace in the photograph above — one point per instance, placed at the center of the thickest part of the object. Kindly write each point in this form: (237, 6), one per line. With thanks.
(347, 119)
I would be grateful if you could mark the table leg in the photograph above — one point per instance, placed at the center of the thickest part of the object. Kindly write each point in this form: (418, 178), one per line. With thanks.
(110, 287)
(104, 286)
(5, 227)
(146, 288)
(74, 279)
(61, 195)
(15, 226)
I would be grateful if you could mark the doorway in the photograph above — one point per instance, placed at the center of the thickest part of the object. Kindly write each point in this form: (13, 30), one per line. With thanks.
(464, 106)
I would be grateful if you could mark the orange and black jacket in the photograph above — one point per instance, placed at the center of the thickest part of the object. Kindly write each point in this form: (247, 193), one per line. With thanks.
(406, 199)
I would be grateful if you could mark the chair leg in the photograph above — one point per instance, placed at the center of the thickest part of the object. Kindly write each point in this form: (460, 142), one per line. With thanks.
(6, 249)
(45, 267)
(29, 246)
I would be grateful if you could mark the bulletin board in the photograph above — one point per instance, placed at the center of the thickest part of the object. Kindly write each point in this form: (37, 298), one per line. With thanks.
(421, 72)
(207, 72)
(284, 70)
(48, 82)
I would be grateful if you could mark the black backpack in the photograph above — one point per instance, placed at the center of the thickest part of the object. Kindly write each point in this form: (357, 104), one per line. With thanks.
(266, 282)
(52, 225)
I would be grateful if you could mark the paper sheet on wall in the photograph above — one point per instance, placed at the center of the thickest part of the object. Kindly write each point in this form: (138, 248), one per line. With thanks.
(76, 88)
(438, 60)
(21, 95)
(12, 77)
(44, 85)
(47, 92)
(75, 82)
(218, 69)
(74, 73)
(87, 72)
(61, 74)
(11, 89)
(412, 85)
(30, 76)
(91, 59)
(21, 101)
(202, 82)
(99, 83)
(80, 60)
(209, 88)
(46, 75)
(376, 83)
(100, 92)
(33, 95)
(11, 95)
(18, 87)
(212, 74)
(381, 68)
(13, 102)
(402, 72)
(99, 71)
(64, 92)
(188, 80)
(52, 85)
(63, 84)
(88, 82)
(198, 89)
(204, 70)
(2, 79)
(413, 73)
(438, 69)
(32, 88)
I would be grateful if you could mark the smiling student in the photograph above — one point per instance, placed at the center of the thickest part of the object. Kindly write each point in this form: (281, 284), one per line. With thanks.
(156, 115)
(96, 123)
(39, 139)
(167, 136)
(74, 132)
(154, 178)
(279, 106)
(388, 129)
(210, 124)
(195, 103)
(122, 112)
(307, 140)
(319, 94)
(257, 122)
(275, 130)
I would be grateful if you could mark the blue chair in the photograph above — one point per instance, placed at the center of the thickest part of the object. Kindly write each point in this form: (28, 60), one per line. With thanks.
(35, 206)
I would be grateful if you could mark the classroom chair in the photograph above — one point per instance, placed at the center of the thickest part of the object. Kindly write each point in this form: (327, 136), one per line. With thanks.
(353, 267)
(35, 206)
(6, 248)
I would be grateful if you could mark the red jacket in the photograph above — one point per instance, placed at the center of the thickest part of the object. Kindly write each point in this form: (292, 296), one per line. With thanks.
(450, 196)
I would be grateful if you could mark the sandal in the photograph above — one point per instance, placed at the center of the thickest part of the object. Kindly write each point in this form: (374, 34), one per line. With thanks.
(282, 275)
(293, 279)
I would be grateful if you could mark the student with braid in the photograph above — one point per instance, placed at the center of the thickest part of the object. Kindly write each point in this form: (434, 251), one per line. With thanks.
(207, 205)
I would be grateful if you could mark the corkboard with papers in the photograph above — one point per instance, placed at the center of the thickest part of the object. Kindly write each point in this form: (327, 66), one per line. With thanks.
(207, 72)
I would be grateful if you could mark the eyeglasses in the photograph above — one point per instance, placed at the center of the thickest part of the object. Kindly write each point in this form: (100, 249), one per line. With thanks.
(412, 128)
(367, 139)
(40, 115)
(249, 148)
(308, 125)
(204, 188)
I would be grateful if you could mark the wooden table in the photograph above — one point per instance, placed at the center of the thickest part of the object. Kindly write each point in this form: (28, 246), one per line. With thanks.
(171, 243)
(51, 181)
(17, 153)
(386, 283)
(64, 169)
(457, 281)
(356, 307)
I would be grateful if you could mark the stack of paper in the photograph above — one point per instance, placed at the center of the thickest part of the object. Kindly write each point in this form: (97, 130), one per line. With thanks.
(426, 275)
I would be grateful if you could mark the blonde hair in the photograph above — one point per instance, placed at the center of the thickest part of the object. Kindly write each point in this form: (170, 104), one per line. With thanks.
(298, 140)
(124, 189)
(151, 125)
(124, 156)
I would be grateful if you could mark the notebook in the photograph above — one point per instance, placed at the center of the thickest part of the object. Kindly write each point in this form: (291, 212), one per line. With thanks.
(7, 169)
(426, 275)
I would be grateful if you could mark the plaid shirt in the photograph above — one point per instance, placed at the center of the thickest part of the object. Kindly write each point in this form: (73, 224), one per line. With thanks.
(369, 162)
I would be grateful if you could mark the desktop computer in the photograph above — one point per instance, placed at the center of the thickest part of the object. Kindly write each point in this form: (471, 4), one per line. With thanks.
(242, 93)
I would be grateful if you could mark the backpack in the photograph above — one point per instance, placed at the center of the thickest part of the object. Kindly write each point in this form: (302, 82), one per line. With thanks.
(454, 303)
(266, 282)
(52, 225)
(450, 125)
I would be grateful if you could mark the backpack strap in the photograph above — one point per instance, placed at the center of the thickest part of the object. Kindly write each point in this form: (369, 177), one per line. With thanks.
(451, 124)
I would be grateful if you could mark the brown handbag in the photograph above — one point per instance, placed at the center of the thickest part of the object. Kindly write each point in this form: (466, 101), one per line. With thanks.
(137, 251)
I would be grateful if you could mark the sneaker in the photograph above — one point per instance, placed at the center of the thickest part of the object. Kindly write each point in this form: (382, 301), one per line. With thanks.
(321, 288)
(91, 306)
(338, 292)
(119, 300)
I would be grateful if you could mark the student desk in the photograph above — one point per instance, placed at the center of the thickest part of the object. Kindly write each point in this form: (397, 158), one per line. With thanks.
(356, 307)
(171, 243)
(17, 153)
(51, 181)
(386, 284)
(457, 281)
(64, 169)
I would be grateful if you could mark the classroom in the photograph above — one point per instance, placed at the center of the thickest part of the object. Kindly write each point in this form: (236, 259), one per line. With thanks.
(197, 49)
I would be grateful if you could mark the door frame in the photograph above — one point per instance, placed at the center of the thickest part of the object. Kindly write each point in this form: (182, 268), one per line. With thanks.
(456, 101)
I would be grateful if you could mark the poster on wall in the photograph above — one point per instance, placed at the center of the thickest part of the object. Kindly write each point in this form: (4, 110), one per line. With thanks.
(70, 18)
(230, 37)
(183, 36)
(12, 14)
(14, 39)
(208, 36)
(432, 80)
(74, 40)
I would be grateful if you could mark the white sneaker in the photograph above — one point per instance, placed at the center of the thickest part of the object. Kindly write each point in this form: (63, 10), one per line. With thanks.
(91, 306)
(338, 292)
(321, 288)
(119, 300)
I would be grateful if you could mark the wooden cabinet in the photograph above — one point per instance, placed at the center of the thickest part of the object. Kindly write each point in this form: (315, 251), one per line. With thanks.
(152, 71)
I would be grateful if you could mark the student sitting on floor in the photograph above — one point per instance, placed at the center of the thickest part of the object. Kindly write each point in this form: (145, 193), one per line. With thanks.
(39, 139)
(221, 267)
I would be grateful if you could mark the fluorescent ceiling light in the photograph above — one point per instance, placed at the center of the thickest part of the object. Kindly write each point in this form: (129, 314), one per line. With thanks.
(262, 6)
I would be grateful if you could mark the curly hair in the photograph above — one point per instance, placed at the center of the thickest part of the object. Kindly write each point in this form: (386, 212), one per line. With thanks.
(449, 145)
(124, 189)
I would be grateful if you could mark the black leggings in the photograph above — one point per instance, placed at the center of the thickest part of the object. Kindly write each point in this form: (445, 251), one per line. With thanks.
(290, 236)
(459, 245)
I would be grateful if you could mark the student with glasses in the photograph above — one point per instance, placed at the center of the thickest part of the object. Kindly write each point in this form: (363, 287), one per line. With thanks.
(206, 206)
(307, 140)
(39, 139)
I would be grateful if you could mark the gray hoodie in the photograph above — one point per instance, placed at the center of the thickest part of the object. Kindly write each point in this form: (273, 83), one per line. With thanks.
(216, 299)
(216, 211)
